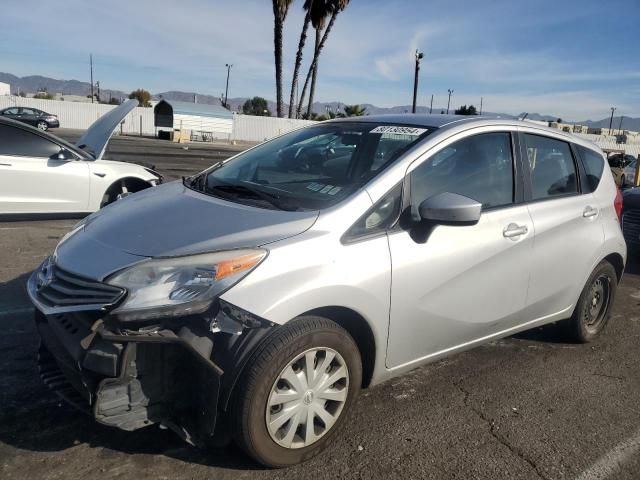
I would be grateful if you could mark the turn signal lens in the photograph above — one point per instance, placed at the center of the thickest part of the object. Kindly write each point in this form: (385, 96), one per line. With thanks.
(237, 265)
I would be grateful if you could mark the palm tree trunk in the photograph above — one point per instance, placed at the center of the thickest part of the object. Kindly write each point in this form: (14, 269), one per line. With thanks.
(316, 54)
(296, 69)
(277, 45)
(314, 75)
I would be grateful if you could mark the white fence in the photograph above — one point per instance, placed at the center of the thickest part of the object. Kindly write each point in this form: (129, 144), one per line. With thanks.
(258, 129)
(608, 142)
(140, 120)
(81, 115)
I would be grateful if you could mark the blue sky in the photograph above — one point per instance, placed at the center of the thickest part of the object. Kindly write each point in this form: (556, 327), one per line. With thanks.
(573, 59)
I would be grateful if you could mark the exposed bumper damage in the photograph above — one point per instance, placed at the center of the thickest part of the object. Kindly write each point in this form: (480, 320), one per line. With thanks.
(179, 375)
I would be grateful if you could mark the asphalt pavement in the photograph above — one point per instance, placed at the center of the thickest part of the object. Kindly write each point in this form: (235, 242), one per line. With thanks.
(526, 407)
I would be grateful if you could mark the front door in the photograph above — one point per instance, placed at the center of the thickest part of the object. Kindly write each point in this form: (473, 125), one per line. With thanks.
(34, 180)
(452, 285)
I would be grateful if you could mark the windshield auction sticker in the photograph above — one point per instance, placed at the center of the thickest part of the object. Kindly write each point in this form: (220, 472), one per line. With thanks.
(399, 130)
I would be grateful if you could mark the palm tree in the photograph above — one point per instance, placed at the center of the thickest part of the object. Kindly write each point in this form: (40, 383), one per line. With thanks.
(354, 111)
(320, 10)
(296, 69)
(280, 9)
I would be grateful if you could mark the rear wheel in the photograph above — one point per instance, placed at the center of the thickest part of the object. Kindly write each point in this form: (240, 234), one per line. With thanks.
(42, 125)
(296, 392)
(593, 310)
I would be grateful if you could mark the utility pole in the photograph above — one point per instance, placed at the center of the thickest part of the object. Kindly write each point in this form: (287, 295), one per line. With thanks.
(431, 104)
(226, 92)
(613, 109)
(91, 68)
(98, 87)
(620, 125)
(480, 105)
(419, 56)
(449, 101)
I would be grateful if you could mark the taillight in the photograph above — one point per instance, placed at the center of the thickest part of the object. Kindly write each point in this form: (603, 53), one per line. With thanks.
(617, 204)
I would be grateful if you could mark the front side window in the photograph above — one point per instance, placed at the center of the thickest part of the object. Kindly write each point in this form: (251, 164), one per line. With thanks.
(19, 142)
(479, 167)
(593, 164)
(553, 172)
(311, 168)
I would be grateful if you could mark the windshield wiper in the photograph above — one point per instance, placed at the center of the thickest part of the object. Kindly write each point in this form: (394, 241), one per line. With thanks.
(245, 191)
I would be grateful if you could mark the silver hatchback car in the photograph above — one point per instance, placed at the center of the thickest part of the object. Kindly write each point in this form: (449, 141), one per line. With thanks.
(254, 300)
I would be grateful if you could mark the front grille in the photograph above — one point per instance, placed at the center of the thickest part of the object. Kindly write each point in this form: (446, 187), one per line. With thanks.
(59, 288)
(631, 226)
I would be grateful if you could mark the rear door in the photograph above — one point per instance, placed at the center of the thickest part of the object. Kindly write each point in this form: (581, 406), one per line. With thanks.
(566, 219)
(34, 180)
(453, 285)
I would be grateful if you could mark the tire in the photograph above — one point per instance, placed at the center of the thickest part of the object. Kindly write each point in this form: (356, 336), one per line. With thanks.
(122, 189)
(42, 125)
(262, 382)
(593, 309)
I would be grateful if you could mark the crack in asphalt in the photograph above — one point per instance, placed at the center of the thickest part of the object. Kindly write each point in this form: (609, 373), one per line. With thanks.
(492, 430)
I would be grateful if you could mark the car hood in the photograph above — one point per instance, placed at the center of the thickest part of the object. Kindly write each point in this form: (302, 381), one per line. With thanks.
(172, 220)
(95, 139)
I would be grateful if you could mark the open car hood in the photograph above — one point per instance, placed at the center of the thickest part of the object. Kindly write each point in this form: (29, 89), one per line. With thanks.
(95, 139)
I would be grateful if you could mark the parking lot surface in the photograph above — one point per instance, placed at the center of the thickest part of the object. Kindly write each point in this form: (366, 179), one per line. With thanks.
(527, 407)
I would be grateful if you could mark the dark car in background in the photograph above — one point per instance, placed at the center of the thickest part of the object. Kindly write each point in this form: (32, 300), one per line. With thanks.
(631, 221)
(31, 116)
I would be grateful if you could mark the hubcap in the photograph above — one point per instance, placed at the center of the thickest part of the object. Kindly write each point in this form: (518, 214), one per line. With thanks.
(307, 398)
(596, 308)
(42, 125)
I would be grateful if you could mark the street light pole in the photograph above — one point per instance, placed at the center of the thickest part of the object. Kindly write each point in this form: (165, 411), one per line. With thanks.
(419, 56)
(226, 92)
(431, 104)
(91, 68)
(613, 109)
(481, 105)
(449, 101)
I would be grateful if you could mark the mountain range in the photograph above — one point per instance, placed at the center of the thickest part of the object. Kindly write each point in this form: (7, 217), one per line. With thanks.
(35, 83)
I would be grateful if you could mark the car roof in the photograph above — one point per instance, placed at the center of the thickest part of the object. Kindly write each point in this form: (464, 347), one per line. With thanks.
(445, 122)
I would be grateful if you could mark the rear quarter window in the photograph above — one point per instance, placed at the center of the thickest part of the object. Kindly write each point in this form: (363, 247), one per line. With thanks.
(593, 164)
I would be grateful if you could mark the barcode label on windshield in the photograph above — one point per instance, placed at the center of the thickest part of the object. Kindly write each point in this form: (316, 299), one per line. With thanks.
(399, 130)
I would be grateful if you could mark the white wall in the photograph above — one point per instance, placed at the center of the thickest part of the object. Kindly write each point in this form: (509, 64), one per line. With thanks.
(258, 129)
(5, 88)
(81, 115)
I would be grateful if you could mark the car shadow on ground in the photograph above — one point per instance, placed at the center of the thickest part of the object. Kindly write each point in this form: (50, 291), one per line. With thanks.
(34, 418)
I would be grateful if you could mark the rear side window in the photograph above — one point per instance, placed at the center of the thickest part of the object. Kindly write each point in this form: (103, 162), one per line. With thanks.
(553, 171)
(593, 164)
(18, 142)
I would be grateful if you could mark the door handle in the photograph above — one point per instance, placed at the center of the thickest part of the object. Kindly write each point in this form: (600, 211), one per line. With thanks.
(514, 230)
(5, 164)
(589, 211)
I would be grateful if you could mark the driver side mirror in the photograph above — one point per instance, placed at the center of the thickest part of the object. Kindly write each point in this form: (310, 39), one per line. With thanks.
(450, 209)
(63, 154)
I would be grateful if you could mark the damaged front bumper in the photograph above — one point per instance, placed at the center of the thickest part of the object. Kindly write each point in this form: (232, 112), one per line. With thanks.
(179, 375)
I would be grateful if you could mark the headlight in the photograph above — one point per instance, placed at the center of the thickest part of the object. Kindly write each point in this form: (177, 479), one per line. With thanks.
(174, 287)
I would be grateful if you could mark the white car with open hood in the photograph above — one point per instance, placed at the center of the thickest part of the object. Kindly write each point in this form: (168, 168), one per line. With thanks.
(41, 174)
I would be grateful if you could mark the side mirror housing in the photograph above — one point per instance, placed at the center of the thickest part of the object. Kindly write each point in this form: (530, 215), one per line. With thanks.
(450, 209)
(62, 155)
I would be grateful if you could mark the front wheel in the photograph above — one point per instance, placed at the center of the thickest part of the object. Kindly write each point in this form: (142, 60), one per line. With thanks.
(593, 309)
(297, 391)
(42, 125)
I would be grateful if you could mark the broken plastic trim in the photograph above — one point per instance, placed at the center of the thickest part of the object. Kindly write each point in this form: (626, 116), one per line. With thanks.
(233, 320)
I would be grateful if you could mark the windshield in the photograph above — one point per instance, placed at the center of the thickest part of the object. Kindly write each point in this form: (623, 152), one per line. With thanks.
(311, 168)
